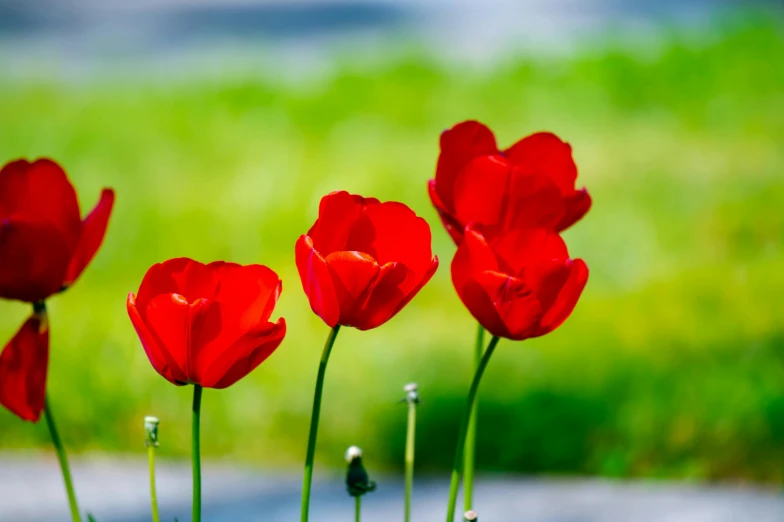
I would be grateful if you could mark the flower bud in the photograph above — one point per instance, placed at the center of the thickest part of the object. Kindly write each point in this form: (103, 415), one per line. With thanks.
(470, 516)
(151, 431)
(352, 453)
(412, 395)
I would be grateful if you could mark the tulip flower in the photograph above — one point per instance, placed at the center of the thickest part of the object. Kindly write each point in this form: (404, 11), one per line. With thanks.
(517, 284)
(360, 264)
(45, 246)
(206, 325)
(363, 261)
(44, 243)
(520, 284)
(530, 184)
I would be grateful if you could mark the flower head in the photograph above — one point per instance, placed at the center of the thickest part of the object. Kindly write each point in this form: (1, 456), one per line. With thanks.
(530, 184)
(44, 243)
(363, 261)
(518, 284)
(206, 324)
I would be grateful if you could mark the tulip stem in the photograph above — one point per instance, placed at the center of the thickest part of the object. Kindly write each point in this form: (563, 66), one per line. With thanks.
(63, 458)
(196, 454)
(357, 508)
(314, 421)
(153, 493)
(461, 438)
(470, 445)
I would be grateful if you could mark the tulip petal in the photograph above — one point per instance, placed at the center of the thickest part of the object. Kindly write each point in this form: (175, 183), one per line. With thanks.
(33, 259)
(452, 226)
(93, 232)
(545, 153)
(337, 213)
(182, 276)
(353, 274)
(481, 190)
(23, 367)
(391, 232)
(413, 292)
(159, 358)
(459, 145)
(247, 353)
(168, 320)
(516, 249)
(576, 206)
(534, 200)
(514, 301)
(41, 191)
(560, 289)
(317, 282)
(473, 255)
(383, 296)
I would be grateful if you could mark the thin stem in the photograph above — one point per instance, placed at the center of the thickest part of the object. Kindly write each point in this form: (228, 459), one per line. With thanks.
(410, 440)
(63, 458)
(470, 445)
(196, 454)
(314, 421)
(357, 508)
(153, 494)
(461, 438)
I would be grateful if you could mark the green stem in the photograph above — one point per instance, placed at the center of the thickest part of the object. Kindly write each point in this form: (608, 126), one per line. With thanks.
(314, 421)
(461, 438)
(63, 458)
(470, 446)
(410, 440)
(153, 494)
(196, 454)
(357, 507)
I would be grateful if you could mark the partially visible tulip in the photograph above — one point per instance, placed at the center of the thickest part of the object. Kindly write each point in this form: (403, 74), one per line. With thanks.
(23, 367)
(530, 184)
(44, 243)
(207, 324)
(363, 261)
(519, 284)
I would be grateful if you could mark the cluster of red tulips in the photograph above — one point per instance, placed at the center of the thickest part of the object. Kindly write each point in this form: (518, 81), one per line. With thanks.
(362, 261)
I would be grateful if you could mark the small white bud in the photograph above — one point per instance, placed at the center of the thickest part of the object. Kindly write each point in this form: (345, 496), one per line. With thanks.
(410, 387)
(352, 453)
(470, 516)
(151, 430)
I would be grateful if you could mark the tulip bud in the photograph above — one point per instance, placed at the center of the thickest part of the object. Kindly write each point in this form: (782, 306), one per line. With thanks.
(151, 431)
(470, 516)
(412, 395)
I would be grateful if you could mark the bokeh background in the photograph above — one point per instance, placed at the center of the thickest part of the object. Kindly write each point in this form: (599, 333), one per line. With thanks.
(221, 124)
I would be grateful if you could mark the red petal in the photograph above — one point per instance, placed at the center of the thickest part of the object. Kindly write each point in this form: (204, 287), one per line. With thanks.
(391, 233)
(481, 190)
(183, 276)
(245, 355)
(534, 200)
(40, 191)
(168, 320)
(576, 206)
(517, 249)
(337, 213)
(473, 255)
(353, 274)
(545, 153)
(514, 301)
(452, 226)
(160, 359)
(382, 298)
(317, 282)
(33, 259)
(560, 290)
(459, 145)
(93, 232)
(23, 367)
(412, 293)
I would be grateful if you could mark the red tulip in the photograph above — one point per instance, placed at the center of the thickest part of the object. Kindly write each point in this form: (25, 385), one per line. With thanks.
(530, 184)
(23, 367)
(207, 324)
(519, 284)
(363, 261)
(44, 244)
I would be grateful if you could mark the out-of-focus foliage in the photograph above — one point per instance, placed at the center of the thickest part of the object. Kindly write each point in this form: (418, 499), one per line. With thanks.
(672, 364)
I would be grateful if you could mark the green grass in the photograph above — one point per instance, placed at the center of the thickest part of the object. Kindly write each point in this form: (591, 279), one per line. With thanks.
(672, 364)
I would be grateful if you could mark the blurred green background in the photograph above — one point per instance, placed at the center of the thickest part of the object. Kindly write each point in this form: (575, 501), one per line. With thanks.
(672, 364)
